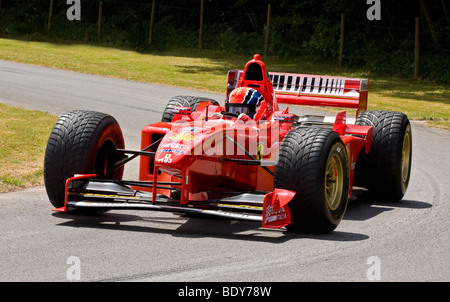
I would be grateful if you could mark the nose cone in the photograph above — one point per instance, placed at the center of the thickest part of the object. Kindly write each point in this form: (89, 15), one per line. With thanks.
(174, 147)
(184, 143)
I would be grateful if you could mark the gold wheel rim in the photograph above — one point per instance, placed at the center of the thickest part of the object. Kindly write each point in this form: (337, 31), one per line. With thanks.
(334, 181)
(406, 156)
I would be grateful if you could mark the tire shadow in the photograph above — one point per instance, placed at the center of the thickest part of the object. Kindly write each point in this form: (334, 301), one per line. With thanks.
(366, 205)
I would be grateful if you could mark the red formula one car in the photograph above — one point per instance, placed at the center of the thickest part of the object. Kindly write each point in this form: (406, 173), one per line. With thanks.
(247, 160)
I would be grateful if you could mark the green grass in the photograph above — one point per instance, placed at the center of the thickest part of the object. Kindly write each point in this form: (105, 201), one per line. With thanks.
(24, 134)
(23, 138)
(207, 70)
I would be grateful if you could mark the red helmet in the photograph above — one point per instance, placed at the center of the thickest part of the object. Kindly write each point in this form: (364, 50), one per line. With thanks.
(244, 100)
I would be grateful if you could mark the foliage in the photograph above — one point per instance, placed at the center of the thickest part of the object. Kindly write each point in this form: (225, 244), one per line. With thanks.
(306, 30)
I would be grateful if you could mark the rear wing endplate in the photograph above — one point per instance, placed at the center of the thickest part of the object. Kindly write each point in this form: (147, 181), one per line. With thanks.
(314, 90)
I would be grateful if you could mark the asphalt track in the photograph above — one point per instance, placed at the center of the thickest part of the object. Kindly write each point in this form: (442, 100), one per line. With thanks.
(377, 240)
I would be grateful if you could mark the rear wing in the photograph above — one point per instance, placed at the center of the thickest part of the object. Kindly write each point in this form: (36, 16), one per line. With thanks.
(313, 90)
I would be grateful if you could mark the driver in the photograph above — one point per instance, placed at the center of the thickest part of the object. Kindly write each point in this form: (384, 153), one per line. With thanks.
(243, 100)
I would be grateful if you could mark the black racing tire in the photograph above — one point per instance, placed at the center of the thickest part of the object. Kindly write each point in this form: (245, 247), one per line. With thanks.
(313, 162)
(81, 142)
(183, 101)
(195, 100)
(180, 100)
(386, 170)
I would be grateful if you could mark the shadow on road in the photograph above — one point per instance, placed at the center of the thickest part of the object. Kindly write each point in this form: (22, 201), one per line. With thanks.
(194, 227)
(366, 206)
(363, 207)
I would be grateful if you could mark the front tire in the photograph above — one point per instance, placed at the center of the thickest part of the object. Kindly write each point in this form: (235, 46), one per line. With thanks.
(81, 142)
(313, 163)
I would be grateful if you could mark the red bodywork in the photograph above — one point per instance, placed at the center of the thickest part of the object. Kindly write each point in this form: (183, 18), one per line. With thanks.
(195, 145)
(205, 155)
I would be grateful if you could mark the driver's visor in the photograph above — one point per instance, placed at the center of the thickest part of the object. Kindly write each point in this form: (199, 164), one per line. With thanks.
(237, 108)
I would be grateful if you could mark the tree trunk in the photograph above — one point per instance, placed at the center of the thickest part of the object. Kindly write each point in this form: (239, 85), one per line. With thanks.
(430, 23)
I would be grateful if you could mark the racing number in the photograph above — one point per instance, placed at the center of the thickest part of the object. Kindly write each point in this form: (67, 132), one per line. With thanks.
(167, 159)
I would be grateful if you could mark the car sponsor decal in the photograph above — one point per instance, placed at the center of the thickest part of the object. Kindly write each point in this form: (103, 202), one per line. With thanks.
(172, 151)
(182, 137)
(189, 129)
(176, 146)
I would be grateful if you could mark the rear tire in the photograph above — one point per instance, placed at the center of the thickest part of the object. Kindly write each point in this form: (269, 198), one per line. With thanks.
(82, 142)
(386, 170)
(313, 163)
(183, 101)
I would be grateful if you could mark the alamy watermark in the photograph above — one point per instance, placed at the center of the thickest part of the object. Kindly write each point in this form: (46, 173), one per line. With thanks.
(74, 11)
(255, 139)
(73, 273)
(374, 11)
(373, 273)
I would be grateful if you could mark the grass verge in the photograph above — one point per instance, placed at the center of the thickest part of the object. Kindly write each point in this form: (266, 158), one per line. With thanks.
(207, 70)
(23, 139)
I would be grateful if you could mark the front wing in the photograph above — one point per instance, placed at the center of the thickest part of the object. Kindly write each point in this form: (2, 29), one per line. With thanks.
(86, 191)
